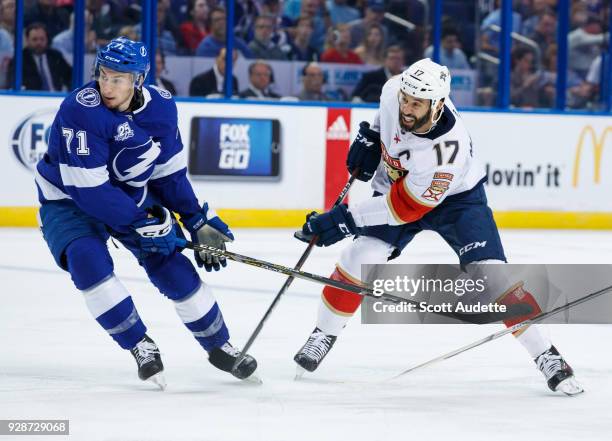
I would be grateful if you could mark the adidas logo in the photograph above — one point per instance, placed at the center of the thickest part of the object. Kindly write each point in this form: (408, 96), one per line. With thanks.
(338, 130)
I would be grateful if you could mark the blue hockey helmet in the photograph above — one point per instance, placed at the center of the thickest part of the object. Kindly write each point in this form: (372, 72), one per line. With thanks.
(124, 55)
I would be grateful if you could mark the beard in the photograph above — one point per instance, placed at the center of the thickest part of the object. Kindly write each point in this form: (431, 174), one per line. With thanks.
(417, 124)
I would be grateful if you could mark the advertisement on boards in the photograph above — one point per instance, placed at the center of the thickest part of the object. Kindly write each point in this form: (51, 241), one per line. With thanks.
(234, 148)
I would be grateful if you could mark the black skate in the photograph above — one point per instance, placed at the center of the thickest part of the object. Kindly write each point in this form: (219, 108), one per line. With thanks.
(225, 357)
(313, 352)
(148, 358)
(559, 374)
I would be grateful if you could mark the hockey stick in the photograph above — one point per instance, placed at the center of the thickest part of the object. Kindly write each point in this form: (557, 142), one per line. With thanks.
(291, 278)
(503, 332)
(512, 311)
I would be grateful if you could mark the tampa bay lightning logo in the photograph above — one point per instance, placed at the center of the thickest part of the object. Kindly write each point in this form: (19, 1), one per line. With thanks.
(163, 92)
(30, 138)
(88, 97)
(136, 162)
(143, 51)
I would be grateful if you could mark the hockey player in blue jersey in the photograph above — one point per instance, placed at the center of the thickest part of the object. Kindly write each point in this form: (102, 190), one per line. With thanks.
(115, 166)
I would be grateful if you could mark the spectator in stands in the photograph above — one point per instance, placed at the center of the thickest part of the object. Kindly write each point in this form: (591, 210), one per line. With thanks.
(129, 32)
(370, 86)
(260, 78)
(374, 14)
(273, 9)
(340, 12)
(578, 91)
(578, 15)
(584, 45)
(545, 31)
(451, 54)
(262, 45)
(7, 44)
(415, 11)
(215, 41)
(194, 30)
(338, 50)
(530, 22)
(44, 11)
(212, 82)
(524, 80)
(160, 69)
(489, 39)
(315, 10)
(64, 41)
(293, 9)
(372, 48)
(165, 38)
(43, 68)
(245, 12)
(7, 16)
(108, 18)
(169, 23)
(312, 81)
(301, 49)
(592, 84)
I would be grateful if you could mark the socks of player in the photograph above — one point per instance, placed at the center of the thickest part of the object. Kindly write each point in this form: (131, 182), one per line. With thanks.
(202, 316)
(111, 305)
(530, 337)
(337, 306)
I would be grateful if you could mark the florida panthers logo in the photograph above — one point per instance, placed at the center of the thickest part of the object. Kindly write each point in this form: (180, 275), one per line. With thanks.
(393, 166)
(134, 165)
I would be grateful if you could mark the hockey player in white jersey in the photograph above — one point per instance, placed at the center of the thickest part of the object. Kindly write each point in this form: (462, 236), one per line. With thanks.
(428, 179)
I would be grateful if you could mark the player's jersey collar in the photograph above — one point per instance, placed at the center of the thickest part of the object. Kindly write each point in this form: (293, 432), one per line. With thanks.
(146, 95)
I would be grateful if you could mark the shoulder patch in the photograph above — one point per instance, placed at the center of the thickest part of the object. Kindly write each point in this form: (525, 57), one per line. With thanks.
(88, 97)
(442, 175)
(436, 190)
(163, 92)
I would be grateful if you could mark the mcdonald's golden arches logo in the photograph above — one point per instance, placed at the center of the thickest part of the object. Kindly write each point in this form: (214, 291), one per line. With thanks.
(598, 144)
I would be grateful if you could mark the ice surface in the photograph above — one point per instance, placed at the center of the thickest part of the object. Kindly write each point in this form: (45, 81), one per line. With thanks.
(56, 363)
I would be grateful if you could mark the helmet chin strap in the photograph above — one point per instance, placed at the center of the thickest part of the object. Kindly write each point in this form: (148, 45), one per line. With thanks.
(433, 124)
(435, 117)
(138, 81)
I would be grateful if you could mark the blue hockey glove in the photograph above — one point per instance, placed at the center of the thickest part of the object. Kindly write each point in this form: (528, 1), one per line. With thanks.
(156, 233)
(207, 228)
(364, 153)
(330, 227)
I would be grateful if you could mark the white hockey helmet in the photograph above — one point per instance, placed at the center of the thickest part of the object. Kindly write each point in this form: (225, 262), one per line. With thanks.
(427, 80)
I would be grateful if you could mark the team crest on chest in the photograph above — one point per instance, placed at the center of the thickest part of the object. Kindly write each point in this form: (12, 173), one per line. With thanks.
(133, 165)
(393, 166)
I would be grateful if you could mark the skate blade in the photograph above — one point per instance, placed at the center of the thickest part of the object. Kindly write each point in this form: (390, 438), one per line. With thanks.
(570, 387)
(299, 373)
(159, 380)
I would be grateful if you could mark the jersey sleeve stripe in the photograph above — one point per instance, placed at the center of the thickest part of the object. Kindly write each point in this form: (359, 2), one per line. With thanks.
(174, 164)
(83, 177)
(49, 191)
(403, 205)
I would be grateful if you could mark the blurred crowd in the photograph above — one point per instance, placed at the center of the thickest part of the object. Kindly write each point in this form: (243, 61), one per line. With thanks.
(534, 53)
(384, 35)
